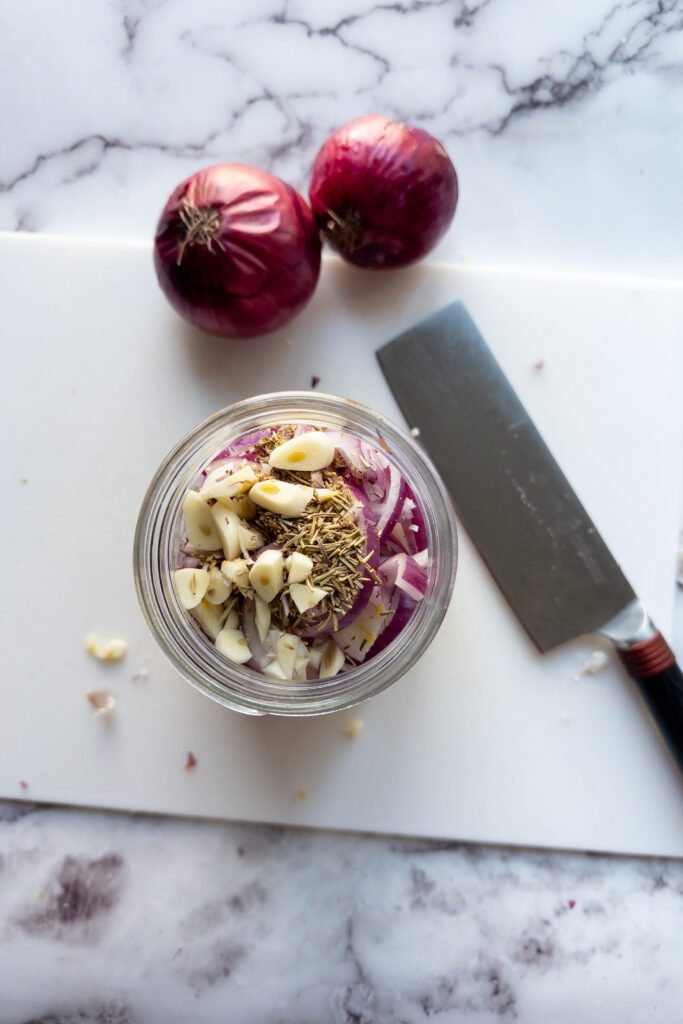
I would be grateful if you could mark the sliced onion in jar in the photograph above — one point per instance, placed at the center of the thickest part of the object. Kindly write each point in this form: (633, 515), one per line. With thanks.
(402, 608)
(403, 572)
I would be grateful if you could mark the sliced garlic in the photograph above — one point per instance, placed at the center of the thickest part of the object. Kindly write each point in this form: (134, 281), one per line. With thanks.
(237, 572)
(219, 587)
(191, 585)
(209, 616)
(232, 620)
(227, 525)
(315, 653)
(229, 486)
(287, 649)
(310, 451)
(199, 524)
(331, 661)
(249, 539)
(267, 574)
(279, 496)
(106, 650)
(301, 667)
(306, 597)
(298, 567)
(262, 617)
(243, 506)
(233, 644)
(323, 494)
(217, 473)
(353, 729)
(274, 670)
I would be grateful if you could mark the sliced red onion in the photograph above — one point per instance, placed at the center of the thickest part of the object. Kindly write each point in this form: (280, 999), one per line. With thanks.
(359, 637)
(404, 572)
(422, 558)
(349, 447)
(418, 522)
(404, 607)
(392, 504)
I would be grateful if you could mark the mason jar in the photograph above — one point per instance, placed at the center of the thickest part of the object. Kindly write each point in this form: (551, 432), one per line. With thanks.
(159, 534)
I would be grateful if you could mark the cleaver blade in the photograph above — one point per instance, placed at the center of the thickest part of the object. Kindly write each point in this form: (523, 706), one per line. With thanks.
(535, 536)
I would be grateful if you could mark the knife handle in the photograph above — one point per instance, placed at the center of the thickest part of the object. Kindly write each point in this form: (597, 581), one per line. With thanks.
(652, 664)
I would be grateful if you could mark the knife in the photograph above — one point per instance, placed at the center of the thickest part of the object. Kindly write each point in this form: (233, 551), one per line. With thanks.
(536, 538)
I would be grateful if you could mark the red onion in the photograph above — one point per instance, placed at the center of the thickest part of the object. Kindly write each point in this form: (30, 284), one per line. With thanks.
(403, 608)
(405, 573)
(237, 252)
(383, 193)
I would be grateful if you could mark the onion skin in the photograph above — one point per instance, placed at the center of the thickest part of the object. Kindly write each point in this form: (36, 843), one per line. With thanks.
(383, 193)
(257, 264)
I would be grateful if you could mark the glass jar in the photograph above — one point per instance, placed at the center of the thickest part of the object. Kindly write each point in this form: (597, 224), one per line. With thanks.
(158, 535)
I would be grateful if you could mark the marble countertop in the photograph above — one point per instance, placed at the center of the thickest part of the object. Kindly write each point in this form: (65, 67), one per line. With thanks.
(563, 122)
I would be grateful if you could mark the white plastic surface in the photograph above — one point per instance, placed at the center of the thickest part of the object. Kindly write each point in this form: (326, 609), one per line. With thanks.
(484, 739)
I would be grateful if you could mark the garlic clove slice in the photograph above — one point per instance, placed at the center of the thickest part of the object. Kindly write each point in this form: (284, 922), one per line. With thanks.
(249, 539)
(331, 661)
(287, 651)
(310, 451)
(275, 671)
(232, 643)
(209, 617)
(219, 587)
(262, 617)
(298, 567)
(237, 572)
(305, 597)
(106, 650)
(280, 496)
(267, 574)
(199, 523)
(242, 505)
(301, 668)
(233, 620)
(227, 526)
(227, 487)
(191, 585)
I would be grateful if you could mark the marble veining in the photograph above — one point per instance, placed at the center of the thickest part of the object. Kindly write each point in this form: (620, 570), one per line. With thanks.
(131, 920)
(563, 120)
(557, 116)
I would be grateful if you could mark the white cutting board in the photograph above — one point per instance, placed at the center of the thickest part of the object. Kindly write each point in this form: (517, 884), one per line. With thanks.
(484, 739)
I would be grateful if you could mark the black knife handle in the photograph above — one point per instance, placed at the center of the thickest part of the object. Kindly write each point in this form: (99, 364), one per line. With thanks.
(653, 665)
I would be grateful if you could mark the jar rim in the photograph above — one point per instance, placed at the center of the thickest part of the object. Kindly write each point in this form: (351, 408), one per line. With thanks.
(191, 652)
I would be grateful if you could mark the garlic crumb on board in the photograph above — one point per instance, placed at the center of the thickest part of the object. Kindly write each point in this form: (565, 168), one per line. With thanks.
(106, 650)
(301, 794)
(595, 664)
(102, 701)
(353, 729)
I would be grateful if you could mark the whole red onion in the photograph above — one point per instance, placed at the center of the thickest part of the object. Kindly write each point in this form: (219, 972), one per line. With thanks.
(383, 193)
(237, 251)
